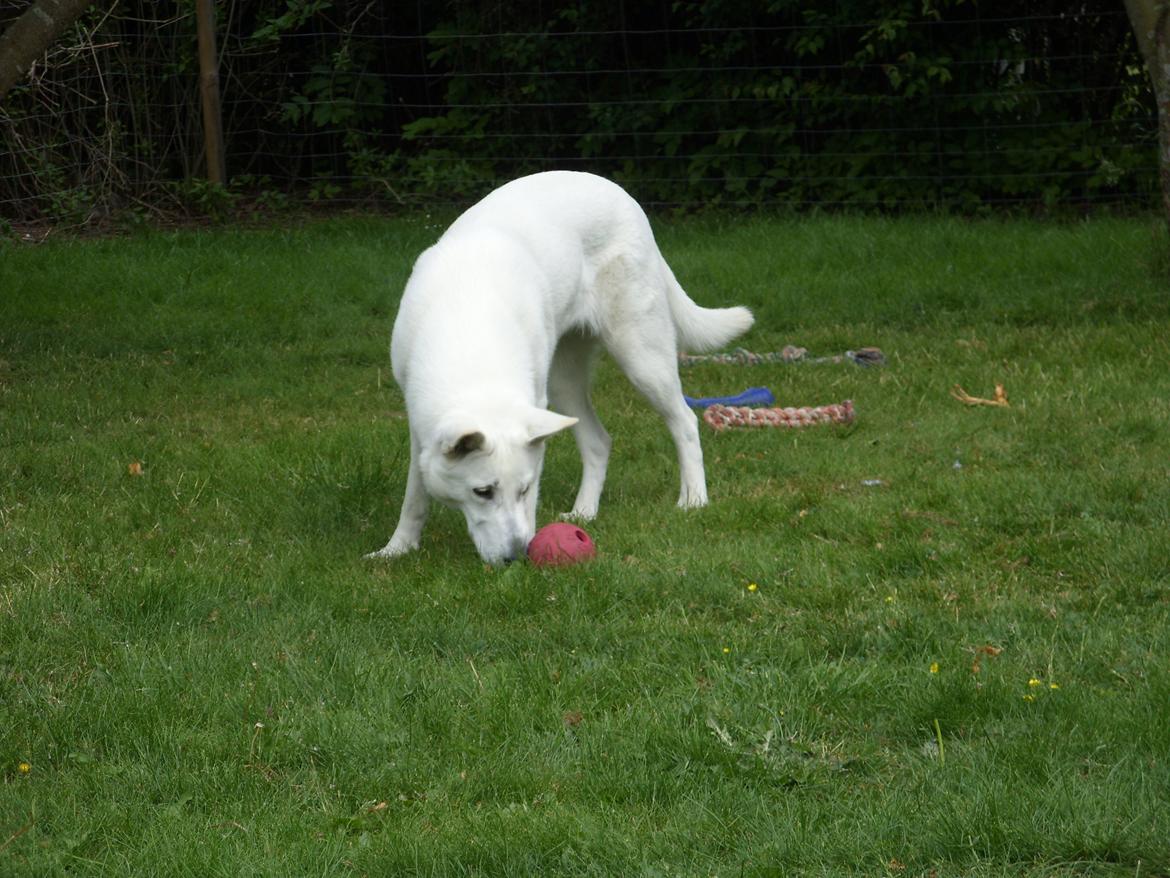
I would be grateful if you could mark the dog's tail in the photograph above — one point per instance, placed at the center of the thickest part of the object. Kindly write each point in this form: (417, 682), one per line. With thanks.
(702, 329)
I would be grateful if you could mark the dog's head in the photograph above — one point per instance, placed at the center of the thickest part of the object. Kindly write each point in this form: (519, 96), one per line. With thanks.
(487, 464)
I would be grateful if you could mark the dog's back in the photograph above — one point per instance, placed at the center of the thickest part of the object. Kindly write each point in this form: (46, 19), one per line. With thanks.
(568, 248)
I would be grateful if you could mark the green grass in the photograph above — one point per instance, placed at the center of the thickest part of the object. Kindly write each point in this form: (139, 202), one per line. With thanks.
(203, 677)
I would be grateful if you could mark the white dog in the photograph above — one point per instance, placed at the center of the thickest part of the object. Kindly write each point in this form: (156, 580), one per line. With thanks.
(502, 318)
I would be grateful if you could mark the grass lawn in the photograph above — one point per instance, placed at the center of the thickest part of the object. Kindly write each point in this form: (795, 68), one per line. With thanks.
(934, 643)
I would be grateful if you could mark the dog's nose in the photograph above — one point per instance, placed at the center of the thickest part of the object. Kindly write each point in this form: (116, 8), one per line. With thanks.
(511, 555)
(519, 549)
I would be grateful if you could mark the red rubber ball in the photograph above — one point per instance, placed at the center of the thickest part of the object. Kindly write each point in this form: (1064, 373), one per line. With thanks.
(560, 543)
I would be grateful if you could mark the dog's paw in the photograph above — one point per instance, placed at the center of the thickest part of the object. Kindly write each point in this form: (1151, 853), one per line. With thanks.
(393, 549)
(692, 499)
(580, 514)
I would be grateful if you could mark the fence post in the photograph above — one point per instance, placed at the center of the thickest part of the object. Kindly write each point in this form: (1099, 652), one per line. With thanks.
(1151, 26)
(209, 89)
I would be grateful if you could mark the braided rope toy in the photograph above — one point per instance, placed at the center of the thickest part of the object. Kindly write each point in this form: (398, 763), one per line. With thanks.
(721, 417)
(790, 354)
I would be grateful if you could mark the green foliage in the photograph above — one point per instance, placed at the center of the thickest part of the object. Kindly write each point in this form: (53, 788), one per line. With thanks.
(939, 104)
(942, 104)
(296, 15)
(335, 95)
(204, 198)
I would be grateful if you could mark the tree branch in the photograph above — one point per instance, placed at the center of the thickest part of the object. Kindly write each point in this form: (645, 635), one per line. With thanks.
(27, 38)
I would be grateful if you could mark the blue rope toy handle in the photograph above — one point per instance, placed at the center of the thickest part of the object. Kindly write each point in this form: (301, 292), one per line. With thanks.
(751, 396)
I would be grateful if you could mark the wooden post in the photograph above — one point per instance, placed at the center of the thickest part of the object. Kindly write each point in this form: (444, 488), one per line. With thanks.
(209, 89)
(1151, 26)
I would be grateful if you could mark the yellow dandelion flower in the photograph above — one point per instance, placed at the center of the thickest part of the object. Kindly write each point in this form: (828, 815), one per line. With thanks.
(752, 586)
(726, 650)
(1053, 685)
(934, 667)
(1033, 682)
(24, 768)
(1029, 697)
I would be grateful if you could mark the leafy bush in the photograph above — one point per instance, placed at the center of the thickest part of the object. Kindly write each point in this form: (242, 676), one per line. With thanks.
(938, 103)
(934, 104)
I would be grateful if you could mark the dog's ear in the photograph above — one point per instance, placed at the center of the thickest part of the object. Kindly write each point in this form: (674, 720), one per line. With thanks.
(459, 437)
(463, 445)
(543, 423)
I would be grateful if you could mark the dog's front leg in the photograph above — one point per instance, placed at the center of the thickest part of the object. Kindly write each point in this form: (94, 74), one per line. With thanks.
(415, 505)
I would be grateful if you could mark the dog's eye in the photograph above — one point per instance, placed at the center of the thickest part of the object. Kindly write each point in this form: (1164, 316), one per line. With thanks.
(524, 490)
(485, 492)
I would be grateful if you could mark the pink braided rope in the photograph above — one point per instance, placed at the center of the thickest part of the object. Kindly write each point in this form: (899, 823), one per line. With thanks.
(720, 417)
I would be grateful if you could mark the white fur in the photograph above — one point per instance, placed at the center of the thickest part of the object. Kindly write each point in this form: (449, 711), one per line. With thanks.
(502, 317)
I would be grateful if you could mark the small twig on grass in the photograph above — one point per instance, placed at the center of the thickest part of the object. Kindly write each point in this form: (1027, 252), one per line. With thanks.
(980, 652)
(252, 745)
(475, 673)
(390, 189)
(1000, 400)
(721, 733)
(17, 835)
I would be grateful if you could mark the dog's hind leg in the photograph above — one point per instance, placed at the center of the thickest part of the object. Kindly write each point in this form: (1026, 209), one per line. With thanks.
(646, 351)
(568, 392)
(415, 505)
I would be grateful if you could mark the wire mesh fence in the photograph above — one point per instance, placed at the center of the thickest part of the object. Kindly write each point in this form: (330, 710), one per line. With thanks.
(944, 104)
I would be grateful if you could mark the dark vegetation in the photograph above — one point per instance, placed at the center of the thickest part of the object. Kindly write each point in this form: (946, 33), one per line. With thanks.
(939, 104)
